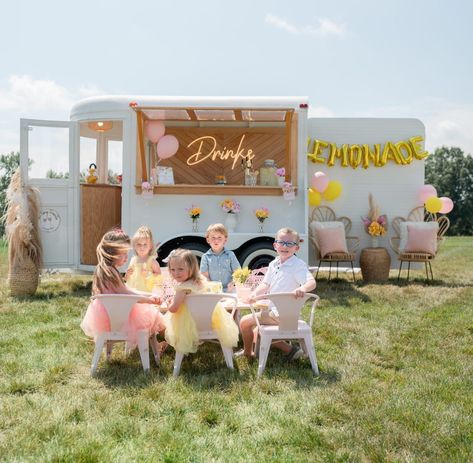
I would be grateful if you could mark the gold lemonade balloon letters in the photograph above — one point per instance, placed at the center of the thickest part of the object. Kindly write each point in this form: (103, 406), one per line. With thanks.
(403, 152)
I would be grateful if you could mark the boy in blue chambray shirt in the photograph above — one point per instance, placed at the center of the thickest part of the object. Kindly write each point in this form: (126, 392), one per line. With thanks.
(218, 264)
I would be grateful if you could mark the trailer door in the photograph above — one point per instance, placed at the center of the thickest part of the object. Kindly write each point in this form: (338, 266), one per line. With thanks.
(49, 162)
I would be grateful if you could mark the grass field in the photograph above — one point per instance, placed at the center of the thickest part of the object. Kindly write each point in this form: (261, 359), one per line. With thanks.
(396, 382)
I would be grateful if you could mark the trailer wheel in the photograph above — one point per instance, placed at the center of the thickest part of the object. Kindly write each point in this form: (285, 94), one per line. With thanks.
(198, 249)
(257, 255)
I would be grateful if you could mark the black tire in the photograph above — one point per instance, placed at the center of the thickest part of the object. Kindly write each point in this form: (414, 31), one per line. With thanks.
(198, 249)
(257, 255)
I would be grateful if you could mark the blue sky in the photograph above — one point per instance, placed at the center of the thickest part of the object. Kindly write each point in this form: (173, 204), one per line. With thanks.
(352, 58)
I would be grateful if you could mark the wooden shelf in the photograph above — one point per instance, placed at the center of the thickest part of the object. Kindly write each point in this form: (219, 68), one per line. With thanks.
(242, 190)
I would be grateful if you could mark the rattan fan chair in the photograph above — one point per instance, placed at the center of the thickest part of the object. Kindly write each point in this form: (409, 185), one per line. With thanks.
(326, 214)
(418, 214)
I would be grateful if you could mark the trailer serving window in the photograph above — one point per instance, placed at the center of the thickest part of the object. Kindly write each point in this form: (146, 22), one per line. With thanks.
(218, 149)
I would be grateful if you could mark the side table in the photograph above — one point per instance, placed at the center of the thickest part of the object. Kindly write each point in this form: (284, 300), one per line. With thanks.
(375, 264)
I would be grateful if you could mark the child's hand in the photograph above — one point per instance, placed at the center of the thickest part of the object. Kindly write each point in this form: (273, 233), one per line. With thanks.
(299, 292)
(156, 300)
(128, 273)
(252, 298)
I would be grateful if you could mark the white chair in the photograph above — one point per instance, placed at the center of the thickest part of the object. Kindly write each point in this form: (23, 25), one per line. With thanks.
(201, 307)
(118, 307)
(290, 327)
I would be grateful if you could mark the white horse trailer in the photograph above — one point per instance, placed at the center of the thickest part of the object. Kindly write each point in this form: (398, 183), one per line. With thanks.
(218, 139)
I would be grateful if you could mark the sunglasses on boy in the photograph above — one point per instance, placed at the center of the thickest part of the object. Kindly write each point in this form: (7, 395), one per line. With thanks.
(288, 244)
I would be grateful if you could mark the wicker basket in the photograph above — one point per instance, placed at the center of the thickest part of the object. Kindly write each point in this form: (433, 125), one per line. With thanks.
(23, 278)
(375, 264)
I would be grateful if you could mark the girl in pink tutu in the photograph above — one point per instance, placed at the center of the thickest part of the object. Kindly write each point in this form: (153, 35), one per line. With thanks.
(112, 253)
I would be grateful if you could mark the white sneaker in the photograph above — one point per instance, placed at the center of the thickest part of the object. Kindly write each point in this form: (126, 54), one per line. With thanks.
(296, 353)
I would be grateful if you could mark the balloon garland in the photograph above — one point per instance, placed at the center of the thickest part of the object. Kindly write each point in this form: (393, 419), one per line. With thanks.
(433, 204)
(321, 187)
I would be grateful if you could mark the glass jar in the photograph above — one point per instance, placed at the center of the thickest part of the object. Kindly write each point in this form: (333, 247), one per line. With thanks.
(268, 175)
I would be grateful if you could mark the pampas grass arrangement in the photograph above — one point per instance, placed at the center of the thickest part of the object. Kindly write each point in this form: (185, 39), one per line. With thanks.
(24, 242)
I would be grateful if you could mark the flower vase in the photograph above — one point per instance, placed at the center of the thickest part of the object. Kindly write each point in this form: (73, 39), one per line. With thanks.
(195, 225)
(243, 292)
(261, 226)
(281, 181)
(231, 222)
(374, 242)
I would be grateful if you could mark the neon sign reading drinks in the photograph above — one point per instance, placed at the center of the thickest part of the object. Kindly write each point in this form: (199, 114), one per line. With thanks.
(207, 149)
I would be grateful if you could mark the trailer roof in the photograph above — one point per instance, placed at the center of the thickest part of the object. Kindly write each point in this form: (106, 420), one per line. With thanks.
(196, 107)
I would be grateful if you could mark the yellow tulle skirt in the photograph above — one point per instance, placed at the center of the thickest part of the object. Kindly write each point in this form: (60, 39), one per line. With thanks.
(181, 331)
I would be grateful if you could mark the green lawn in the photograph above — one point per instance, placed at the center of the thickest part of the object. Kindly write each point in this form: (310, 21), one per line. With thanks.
(396, 382)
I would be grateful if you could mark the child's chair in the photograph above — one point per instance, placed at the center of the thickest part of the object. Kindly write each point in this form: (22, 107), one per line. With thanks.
(201, 307)
(118, 307)
(290, 327)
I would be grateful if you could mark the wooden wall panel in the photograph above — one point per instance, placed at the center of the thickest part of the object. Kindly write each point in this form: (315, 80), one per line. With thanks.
(101, 209)
(266, 143)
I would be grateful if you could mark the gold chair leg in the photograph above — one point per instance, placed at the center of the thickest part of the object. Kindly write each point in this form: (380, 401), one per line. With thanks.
(431, 273)
(353, 271)
(400, 268)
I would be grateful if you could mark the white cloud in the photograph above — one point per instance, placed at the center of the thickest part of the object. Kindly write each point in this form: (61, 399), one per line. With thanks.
(324, 28)
(446, 123)
(26, 97)
(320, 111)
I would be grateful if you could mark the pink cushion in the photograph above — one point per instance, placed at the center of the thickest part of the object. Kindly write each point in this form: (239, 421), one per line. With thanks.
(331, 240)
(421, 240)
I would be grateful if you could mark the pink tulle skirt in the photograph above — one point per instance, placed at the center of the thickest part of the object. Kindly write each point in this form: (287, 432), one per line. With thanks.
(142, 316)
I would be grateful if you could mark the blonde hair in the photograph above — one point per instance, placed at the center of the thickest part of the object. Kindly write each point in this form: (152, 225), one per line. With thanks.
(190, 261)
(106, 275)
(288, 231)
(144, 233)
(217, 228)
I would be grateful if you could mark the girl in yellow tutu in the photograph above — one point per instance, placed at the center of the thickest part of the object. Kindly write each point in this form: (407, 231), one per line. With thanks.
(143, 266)
(181, 331)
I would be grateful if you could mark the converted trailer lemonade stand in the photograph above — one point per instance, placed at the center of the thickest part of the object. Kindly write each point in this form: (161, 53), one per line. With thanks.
(217, 136)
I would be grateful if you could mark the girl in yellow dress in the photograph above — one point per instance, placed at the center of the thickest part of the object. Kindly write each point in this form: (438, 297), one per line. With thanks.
(143, 268)
(181, 331)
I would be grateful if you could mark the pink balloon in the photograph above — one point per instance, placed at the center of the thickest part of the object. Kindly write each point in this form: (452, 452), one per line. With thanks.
(154, 130)
(426, 192)
(319, 182)
(167, 146)
(447, 205)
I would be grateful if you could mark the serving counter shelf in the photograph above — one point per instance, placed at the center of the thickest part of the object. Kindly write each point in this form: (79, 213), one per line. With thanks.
(184, 189)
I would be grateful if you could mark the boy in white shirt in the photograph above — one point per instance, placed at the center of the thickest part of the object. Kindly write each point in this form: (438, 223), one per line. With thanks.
(286, 273)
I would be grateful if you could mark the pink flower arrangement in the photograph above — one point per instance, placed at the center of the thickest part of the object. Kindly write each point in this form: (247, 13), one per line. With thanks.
(230, 206)
(281, 172)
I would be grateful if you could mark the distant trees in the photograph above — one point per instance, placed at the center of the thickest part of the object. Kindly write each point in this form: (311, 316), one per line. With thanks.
(450, 171)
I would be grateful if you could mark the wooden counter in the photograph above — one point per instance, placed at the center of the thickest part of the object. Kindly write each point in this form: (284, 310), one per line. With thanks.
(243, 190)
(101, 210)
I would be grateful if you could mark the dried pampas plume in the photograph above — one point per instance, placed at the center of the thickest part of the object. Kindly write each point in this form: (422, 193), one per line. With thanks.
(373, 213)
(22, 230)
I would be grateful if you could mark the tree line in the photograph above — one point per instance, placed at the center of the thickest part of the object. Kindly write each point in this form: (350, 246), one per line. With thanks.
(450, 170)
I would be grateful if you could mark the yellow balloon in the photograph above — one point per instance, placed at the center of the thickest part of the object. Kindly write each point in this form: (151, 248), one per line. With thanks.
(433, 204)
(314, 197)
(333, 190)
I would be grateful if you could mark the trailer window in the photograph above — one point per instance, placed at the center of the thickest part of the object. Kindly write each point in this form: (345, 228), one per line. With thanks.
(48, 152)
(115, 155)
(88, 149)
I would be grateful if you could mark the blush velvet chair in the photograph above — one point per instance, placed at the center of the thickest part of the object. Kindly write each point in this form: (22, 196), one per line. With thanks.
(418, 238)
(329, 236)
